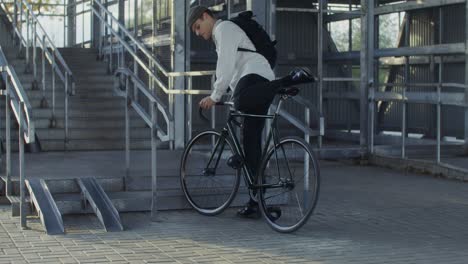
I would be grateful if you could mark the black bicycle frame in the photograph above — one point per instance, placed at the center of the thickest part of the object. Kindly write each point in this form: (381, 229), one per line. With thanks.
(229, 132)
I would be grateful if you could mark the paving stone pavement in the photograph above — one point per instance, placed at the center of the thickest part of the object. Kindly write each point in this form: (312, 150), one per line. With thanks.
(364, 215)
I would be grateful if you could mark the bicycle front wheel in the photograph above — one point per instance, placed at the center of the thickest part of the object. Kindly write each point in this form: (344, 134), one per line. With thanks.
(208, 182)
(291, 175)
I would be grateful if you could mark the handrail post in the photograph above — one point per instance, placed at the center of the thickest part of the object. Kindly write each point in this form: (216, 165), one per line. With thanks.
(403, 119)
(172, 111)
(189, 110)
(154, 132)
(439, 108)
(8, 136)
(66, 109)
(27, 69)
(35, 86)
(44, 103)
(15, 19)
(111, 70)
(20, 28)
(135, 71)
(21, 166)
(53, 120)
(372, 126)
(127, 126)
(306, 156)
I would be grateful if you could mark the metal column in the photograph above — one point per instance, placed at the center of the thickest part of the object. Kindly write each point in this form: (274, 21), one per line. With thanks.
(466, 77)
(71, 28)
(181, 63)
(367, 69)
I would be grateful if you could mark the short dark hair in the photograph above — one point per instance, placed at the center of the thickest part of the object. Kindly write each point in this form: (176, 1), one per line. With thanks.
(210, 13)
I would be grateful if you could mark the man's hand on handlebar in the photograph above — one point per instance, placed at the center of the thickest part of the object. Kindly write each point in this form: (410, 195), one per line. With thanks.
(207, 103)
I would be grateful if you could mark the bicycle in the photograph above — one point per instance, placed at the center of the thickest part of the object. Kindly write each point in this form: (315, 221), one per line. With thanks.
(213, 160)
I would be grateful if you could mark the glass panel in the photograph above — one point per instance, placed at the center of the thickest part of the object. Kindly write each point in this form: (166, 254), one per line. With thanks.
(54, 28)
(340, 34)
(389, 30)
(83, 28)
(129, 13)
(356, 24)
(146, 12)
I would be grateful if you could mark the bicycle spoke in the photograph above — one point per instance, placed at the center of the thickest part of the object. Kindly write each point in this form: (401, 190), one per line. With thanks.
(275, 195)
(295, 168)
(208, 183)
(299, 203)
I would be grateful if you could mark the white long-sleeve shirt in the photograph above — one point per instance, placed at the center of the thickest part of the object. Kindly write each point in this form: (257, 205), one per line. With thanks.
(232, 64)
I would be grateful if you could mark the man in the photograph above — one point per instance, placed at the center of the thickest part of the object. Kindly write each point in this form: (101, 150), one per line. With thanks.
(247, 74)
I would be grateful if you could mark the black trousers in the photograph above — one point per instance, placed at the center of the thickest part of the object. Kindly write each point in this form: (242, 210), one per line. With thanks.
(253, 95)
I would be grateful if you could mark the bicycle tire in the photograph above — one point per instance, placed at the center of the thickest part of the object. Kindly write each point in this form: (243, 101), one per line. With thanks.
(206, 200)
(274, 212)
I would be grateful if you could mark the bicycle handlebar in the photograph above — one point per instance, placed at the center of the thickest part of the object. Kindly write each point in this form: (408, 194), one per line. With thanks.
(204, 118)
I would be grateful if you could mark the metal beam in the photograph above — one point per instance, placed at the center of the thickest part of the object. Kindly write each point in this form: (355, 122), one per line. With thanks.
(453, 99)
(341, 16)
(442, 49)
(398, 61)
(342, 56)
(412, 5)
(466, 78)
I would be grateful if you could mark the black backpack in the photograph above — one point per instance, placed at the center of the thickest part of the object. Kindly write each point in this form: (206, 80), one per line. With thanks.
(257, 35)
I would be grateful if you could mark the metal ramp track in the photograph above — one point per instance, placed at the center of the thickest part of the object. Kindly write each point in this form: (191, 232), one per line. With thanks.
(49, 213)
(101, 204)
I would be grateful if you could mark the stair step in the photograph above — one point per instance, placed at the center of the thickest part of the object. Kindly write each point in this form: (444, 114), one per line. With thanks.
(101, 144)
(82, 113)
(126, 201)
(92, 134)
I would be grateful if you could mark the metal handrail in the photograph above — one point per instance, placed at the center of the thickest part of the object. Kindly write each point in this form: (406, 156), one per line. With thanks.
(124, 33)
(304, 126)
(49, 53)
(126, 42)
(430, 98)
(16, 98)
(162, 107)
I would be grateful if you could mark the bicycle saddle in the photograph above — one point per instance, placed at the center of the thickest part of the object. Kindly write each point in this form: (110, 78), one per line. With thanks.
(301, 75)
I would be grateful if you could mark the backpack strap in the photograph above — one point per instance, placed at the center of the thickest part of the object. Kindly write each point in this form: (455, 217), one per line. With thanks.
(247, 50)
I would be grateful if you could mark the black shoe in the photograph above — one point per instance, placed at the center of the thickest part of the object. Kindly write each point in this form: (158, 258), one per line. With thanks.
(274, 213)
(251, 210)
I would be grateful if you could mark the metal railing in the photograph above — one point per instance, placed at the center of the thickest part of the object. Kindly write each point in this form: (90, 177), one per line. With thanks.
(437, 98)
(116, 39)
(50, 53)
(16, 99)
(304, 126)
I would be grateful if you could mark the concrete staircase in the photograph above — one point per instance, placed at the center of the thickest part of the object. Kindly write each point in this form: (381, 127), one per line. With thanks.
(96, 114)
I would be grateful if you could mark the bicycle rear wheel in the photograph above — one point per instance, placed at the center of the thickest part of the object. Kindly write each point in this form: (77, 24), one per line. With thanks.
(293, 171)
(208, 182)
